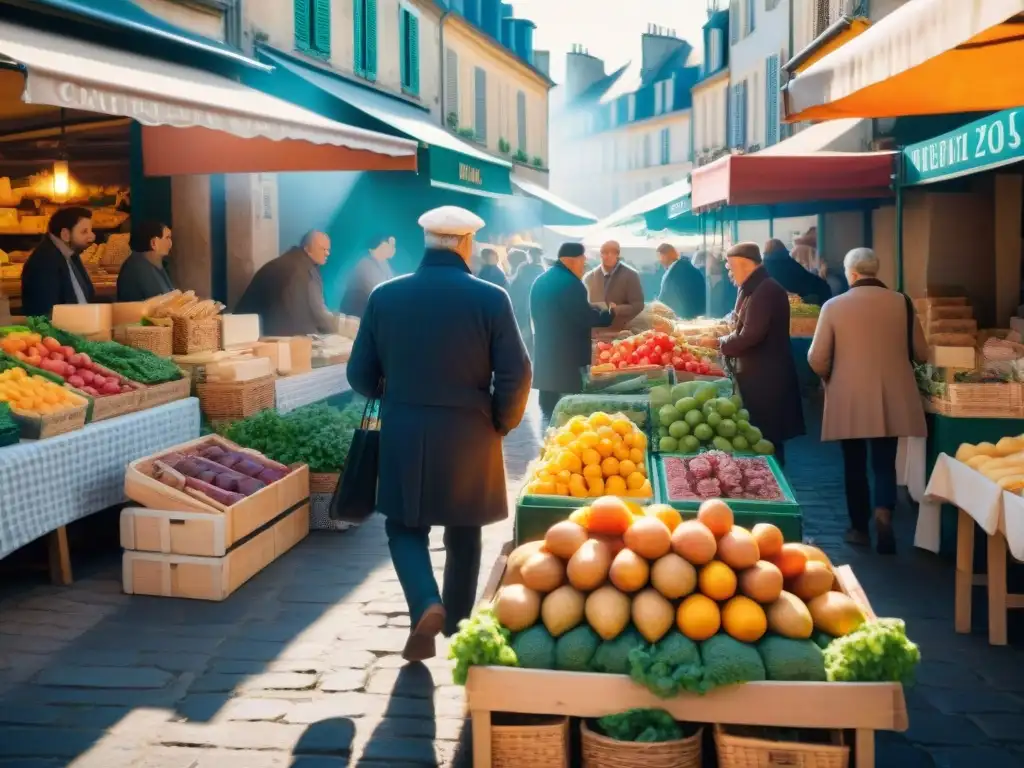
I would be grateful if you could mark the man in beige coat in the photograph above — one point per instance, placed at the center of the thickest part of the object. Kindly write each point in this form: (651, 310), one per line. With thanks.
(614, 285)
(863, 349)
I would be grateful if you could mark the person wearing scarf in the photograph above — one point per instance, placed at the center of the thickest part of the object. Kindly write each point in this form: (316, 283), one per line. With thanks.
(864, 348)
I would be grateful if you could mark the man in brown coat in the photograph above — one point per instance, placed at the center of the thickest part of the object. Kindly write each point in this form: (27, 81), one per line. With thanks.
(288, 292)
(613, 284)
(863, 348)
(759, 350)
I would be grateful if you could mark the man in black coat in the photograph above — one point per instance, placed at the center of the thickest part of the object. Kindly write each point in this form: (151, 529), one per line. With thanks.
(791, 275)
(443, 348)
(490, 271)
(523, 278)
(54, 273)
(759, 350)
(563, 318)
(682, 284)
(143, 276)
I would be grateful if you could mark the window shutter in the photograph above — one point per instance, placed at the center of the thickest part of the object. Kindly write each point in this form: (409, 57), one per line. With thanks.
(734, 138)
(771, 125)
(370, 29)
(322, 27)
(666, 147)
(403, 47)
(734, 25)
(670, 93)
(359, 39)
(743, 114)
(659, 102)
(751, 5)
(302, 25)
(521, 119)
(414, 53)
(480, 100)
(451, 86)
(821, 16)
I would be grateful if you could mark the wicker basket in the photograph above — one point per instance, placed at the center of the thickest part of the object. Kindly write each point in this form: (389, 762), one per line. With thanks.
(323, 482)
(541, 745)
(985, 400)
(232, 400)
(743, 752)
(601, 752)
(196, 335)
(802, 326)
(158, 339)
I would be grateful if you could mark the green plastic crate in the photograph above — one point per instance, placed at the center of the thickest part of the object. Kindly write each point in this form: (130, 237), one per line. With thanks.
(536, 513)
(786, 514)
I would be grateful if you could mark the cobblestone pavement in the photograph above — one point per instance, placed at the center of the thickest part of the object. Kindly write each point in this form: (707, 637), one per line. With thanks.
(301, 668)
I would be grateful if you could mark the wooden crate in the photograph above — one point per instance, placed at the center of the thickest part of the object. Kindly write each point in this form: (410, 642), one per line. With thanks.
(35, 427)
(212, 578)
(110, 406)
(802, 326)
(985, 400)
(168, 392)
(861, 707)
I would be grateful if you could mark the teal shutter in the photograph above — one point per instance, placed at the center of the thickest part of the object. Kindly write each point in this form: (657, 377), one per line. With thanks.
(358, 38)
(414, 53)
(322, 27)
(370, 31)
(403, 47)
(302, 41)
(771, 125)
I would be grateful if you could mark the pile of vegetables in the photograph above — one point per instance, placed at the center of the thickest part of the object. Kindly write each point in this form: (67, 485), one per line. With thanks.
(138, 365)
(700, 415)
(634, 407)
(718, 475)
(623, 383)
(480, 641)
(224, 476)
(684, 607)
(317, 435)
(643, 726)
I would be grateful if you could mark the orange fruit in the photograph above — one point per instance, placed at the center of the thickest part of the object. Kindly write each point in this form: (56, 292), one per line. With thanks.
(698, 617)
(717, 516)
(669, 516)
(717, 580)
(744, 620)
(609, 514)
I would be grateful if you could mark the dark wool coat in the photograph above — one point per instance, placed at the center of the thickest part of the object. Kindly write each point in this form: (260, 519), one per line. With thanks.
(46, 280)
(762, 359)
(493, 274)
(683, 290)
(519, 290)
(562, 320)
(791, 275)
(456, 380)
(288, 295)
(139, 279)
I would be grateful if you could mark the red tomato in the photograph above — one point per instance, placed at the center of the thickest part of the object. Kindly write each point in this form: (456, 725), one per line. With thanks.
(616, 358)
(704, 368)
(691, 367)
(603, 346)
(623, 364)
(644, 361)
(666, 358)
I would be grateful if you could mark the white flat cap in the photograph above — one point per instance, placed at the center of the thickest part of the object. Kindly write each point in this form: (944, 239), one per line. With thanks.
(451, 220)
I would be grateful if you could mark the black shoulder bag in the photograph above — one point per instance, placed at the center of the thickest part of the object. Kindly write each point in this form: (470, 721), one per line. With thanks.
(355, 498)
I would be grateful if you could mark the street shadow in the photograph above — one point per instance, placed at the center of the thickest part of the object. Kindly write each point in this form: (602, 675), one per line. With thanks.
(330, 739)
(407, 731)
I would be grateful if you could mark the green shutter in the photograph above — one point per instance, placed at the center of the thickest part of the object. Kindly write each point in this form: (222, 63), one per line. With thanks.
(358, 38)
(302, 41)
(370, 29)
(414, 54)
(322, 27)
(403, 47)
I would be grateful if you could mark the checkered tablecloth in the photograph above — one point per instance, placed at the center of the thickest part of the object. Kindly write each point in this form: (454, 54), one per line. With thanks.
(49, 483)
(305, 388)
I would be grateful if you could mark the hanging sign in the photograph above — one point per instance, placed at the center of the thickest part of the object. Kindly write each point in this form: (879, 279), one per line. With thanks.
(979, 146)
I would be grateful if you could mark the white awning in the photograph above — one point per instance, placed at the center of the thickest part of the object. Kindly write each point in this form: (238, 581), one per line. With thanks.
(846, 135)
(66, 72)
(546, 196)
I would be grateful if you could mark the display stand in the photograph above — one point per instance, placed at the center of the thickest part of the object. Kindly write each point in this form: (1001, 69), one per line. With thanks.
(1000, 514)
(861, 707)
(310, 387)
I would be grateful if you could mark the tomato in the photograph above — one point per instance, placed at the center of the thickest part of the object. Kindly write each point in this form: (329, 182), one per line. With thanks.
(634, 358)
(691, 367)
(623, 364)
(644, 361)
(605, 356)
(666, 358)
(704, 368)
(603, 346)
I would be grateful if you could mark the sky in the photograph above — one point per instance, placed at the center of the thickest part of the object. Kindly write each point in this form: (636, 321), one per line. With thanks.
(609, 29)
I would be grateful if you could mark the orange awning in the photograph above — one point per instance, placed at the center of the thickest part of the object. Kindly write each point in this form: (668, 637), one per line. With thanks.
(926, 57)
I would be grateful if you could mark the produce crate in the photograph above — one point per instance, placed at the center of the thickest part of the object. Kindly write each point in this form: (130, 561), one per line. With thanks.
(168, 392)
(535, 513)
(33, 427)
(213, 578)
(863, 708)
(635, 407)
(110, 406)
(802, 326)
(233, 400)
(985, 400)
(785, 514)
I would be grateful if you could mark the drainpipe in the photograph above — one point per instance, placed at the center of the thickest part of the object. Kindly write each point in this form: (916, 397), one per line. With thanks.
(442, 61)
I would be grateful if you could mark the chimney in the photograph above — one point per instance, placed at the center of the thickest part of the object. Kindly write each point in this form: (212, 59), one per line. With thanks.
(542, 61)
(657, 45)
(581, 71)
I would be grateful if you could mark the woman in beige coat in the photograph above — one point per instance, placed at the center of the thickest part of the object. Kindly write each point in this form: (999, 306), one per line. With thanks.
(863, 349)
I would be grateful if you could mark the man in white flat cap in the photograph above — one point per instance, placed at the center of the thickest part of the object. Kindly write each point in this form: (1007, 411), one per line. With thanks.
(443, 351)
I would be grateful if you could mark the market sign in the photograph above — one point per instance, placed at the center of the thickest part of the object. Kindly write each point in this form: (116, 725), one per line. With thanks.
(987, 143)
(467, 173)
(679, 207)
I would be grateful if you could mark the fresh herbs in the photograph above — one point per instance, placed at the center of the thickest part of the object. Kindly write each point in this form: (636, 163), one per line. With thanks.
(480, 641)
(318, 435)
(642, 725)
(878, 652)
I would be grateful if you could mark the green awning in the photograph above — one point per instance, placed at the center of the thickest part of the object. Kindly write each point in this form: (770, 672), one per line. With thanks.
(991, 142)
(555, 210)
(125, 16)
(451, 163)
(664, 208)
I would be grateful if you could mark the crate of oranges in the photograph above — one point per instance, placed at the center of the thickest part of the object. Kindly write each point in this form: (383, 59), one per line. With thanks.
(41, 407)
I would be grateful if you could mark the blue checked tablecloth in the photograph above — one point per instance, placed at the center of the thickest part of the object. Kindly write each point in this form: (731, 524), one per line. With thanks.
(305, 388)
(49, 483)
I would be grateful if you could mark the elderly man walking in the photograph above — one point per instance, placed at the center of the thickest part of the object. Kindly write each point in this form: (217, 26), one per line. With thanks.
(441, 349)
(614, 284)
(871, 397)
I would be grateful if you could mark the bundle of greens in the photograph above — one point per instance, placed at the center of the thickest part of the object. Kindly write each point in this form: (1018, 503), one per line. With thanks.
(139, 365)
(878, 652)
(480, 641)
(641, 725)
(669, 667)
(318, 435)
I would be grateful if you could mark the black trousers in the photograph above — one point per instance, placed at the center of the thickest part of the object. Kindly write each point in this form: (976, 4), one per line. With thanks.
(859, 499)
(548, 401)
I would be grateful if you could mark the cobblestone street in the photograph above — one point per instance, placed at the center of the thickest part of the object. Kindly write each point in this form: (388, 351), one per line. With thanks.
(301, 666)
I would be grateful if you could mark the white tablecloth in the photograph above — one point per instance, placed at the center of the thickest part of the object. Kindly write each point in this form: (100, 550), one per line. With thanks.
(911, 471)
(305, 388)
(992, 508)
(45, 484)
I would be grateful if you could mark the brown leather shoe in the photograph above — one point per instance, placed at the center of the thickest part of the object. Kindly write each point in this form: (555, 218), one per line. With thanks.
(422, 642)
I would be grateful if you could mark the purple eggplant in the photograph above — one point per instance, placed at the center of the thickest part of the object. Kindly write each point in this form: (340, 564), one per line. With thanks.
(271, 475)
(221, 496)
(249, 486)
(249, 467)
(226, 482)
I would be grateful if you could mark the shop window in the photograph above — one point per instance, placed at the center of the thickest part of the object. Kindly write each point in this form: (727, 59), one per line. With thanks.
(409, 50)
(364, 33)
(313, 27)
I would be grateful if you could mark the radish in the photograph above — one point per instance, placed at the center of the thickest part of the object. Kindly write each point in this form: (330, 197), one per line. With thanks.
(76, 382)
(98, 381)
(86, 374)
(76, 360)
(90, 391)
(67, 351)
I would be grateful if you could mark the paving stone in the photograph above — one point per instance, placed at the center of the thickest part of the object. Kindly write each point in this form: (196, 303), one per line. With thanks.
(394, 750)
(201, 707)
(975, 757)
(414, 681)
(28, 715)
(215, 682)
(342, 705)
(226, 735)
(1002, 726)
(44, 742)
(250, 650)
(175, 662)
(345, 680)
(333, 736)
(99, 697)
(281, 681)
(256, 709)
(972, 701)
(104, 677)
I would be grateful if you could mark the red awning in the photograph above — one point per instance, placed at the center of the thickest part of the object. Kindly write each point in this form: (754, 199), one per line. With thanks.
(766, 179)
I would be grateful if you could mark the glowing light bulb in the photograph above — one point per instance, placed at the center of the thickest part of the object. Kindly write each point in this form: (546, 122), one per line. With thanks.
(61, 181)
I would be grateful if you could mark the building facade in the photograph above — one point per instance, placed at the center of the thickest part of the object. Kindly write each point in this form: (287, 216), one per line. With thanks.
(759, 38)
(619, 136)
(711, 92)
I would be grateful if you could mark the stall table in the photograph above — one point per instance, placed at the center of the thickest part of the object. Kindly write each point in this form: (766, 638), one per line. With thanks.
(310, 387)
(47, 484)
(1000, 515)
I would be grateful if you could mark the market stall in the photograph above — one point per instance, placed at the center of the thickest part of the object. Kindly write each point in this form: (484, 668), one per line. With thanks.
(310, 387)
